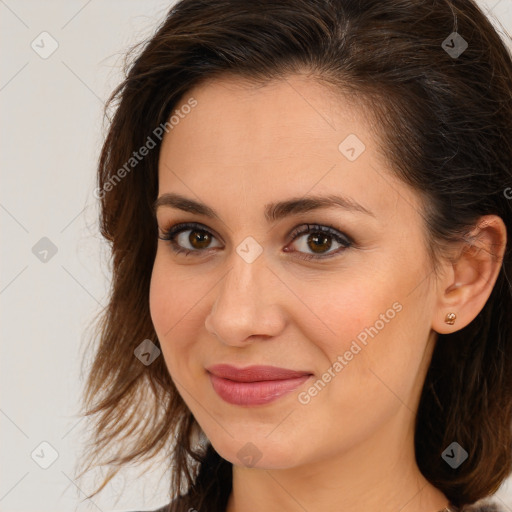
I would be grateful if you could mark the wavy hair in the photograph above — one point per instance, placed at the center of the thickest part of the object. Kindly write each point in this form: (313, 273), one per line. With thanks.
(444, 124)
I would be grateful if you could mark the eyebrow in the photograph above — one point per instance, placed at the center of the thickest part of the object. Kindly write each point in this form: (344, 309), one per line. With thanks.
(273, 211)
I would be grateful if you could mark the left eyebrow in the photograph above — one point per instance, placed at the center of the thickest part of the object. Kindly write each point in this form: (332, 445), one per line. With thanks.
(273, 211)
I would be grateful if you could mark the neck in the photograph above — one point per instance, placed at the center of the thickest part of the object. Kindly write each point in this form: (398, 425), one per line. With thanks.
(378, 474)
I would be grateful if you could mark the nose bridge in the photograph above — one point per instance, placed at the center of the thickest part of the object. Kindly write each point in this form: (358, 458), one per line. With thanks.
(243, 305)
(243, 288)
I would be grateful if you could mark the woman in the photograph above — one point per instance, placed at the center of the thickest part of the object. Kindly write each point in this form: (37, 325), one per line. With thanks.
(309, 209)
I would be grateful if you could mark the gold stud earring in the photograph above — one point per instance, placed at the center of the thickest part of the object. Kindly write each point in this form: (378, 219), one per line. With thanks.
(450, 318)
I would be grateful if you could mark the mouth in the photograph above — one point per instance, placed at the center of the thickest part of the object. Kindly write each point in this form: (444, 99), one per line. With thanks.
(254, 385)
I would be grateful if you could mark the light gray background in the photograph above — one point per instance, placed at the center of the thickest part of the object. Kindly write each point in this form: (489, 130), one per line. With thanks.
(51, 133)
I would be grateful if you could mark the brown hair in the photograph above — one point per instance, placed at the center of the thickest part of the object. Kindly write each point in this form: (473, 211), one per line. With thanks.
(445, 122)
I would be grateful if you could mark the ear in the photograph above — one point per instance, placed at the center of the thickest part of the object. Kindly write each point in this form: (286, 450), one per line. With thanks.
(468, 276)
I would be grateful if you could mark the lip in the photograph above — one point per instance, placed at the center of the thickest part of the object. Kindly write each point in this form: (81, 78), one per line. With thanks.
(254, 385)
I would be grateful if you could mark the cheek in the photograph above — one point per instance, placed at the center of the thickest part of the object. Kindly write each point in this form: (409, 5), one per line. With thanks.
(167, 306)
(176, 313)
(342, 310)
(160, 298)
(171, 296)
(375, 326)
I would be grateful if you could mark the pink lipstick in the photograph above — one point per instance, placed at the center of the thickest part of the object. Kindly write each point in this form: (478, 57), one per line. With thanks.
(254, 385)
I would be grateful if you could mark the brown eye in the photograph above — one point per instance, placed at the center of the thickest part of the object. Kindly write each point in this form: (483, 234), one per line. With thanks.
(193, 239)
(197, 241)
(318, 241)
(199, 237)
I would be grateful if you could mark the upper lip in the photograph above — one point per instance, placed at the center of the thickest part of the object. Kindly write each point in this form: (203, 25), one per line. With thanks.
(254, 373)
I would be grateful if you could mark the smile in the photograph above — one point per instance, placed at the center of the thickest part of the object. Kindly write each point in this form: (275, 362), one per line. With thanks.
(255, 385)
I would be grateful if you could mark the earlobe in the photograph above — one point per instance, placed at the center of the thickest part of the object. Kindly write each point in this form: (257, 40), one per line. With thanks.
(466, 287)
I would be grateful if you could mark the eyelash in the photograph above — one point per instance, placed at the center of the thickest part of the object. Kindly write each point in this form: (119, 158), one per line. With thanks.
(170, 234)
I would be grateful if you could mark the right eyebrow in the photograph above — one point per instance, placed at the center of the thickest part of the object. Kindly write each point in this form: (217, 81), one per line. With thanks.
(273, 211)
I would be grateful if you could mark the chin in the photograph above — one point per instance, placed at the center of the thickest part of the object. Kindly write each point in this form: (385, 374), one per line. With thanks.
(258, 451)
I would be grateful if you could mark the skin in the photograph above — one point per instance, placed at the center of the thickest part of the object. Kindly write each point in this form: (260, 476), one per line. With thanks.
(351, 447)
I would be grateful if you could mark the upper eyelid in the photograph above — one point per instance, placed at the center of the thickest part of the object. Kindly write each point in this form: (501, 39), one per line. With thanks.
(295, 233)
(180, 227)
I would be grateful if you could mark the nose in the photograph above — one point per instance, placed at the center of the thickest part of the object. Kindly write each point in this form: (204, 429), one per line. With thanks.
(246, 306)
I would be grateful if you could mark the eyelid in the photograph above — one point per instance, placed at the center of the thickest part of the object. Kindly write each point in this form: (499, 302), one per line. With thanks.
(321, 228)
(341, 238)
(170, 233)
(179, 227)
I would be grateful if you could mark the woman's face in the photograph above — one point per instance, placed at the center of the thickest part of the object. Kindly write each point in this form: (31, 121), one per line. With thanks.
(355, 320)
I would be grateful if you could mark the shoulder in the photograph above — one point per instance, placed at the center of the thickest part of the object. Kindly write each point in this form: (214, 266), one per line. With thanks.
(167, 508)
(164, 508)
(484, 505)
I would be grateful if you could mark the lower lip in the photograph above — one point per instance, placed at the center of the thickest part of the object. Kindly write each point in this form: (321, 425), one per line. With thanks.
(254, 393)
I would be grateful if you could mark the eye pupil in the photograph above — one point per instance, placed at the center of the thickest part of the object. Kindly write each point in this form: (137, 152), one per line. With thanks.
(319, 242)
(202, 237)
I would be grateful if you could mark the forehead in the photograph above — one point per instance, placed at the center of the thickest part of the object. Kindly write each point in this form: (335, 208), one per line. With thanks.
(274, 140)
(284, 117)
